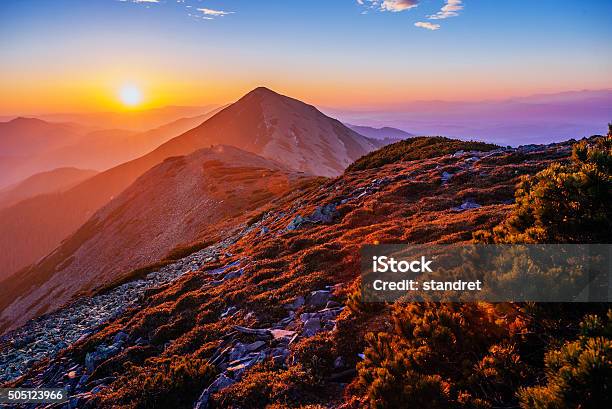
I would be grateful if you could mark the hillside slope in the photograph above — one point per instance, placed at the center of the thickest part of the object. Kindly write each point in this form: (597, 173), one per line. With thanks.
(173, 203)
(263, 319)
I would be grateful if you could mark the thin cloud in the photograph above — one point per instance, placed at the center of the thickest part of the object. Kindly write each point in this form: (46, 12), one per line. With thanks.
(389, 5)
(214, 13)
(427, 25)
(450, 9)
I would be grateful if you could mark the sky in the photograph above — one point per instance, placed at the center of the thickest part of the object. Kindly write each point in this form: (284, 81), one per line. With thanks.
(86, 55)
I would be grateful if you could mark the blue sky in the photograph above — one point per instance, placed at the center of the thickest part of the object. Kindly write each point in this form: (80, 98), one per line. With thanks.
(75, 53)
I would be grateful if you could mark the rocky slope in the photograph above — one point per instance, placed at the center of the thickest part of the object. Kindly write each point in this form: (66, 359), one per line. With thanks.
(266, 322)
(173, 203)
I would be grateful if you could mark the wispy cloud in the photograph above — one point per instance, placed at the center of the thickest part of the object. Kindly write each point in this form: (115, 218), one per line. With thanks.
(389, 5)
(450, 9)
(427, 25)
(201, 13)
(214, 13)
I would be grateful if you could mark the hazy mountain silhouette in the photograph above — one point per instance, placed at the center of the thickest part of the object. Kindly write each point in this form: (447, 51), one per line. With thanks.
(24, 138)
(38, 146)
(44, 182)
(137, 120)
(383, 133)
(532, 119)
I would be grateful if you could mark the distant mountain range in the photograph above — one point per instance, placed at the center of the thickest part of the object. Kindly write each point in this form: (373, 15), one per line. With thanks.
(136, 121)
(32, 145)
(42, 183)
(294, 135)
(534, 119)
(384, 133)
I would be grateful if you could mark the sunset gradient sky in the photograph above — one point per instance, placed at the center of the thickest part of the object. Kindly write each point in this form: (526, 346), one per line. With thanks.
(77, 55)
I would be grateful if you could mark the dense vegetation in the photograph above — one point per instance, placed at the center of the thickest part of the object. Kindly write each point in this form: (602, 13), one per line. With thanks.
(421, 147)
(165, 382)
(492, 355)
(564, 203)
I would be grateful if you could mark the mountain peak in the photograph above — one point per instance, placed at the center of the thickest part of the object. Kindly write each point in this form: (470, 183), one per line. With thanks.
(263, 91)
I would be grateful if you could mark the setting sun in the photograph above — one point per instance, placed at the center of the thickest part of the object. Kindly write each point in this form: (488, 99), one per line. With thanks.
(130, 95)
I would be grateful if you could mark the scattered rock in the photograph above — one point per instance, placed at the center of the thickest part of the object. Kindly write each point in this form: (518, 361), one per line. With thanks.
(281, 333)
(446, 177)
(254, 346)
(324, 214)
(296, 223)
(319, 298)
(120, 337)
(297, 303)
(311, 327)
(467, 205)
(222, 382)
(229, 312)
(332, 304)
(45, 337)
(260, 333)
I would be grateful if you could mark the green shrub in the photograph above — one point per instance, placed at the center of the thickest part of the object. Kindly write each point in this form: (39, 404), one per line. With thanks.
(564, 203)
(266, 385)
(579, 373)
(163, 383)
(430, 358)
